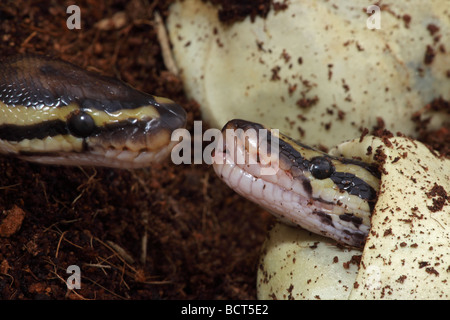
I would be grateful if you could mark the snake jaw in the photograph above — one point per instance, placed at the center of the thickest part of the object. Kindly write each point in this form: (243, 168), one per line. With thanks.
(287, 199)
(136, 143)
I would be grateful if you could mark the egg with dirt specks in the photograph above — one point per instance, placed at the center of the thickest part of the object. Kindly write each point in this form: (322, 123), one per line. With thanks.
(314, 70)
(406, 255)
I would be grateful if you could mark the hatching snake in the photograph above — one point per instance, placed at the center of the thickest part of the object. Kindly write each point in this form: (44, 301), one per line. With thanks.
(54, 112)
(324, 194)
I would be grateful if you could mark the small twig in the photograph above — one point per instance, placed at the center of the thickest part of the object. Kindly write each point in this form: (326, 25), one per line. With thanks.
(144, 238)
(121, 252)
(116, 254)
(60, 222)
(207, 203)
(28, 39)
(84, 186)
(122, 280)
(59, 243)
(164, 43)
(11, 186)
(97, 265)
(61, 238)
(10, 276)
(104, 288)
(45, 191)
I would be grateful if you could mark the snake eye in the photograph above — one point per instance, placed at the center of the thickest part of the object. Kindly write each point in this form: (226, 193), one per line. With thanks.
(80, 124)
(321, 167)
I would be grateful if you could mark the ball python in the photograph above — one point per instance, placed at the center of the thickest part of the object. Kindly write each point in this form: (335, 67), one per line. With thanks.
(406, 254)
(324, 194)
(54, 112)
(390, 208)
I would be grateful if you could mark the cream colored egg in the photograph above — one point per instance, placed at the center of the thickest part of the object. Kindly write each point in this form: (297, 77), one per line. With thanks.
(315, 71)
(297, 264)
(407, 253)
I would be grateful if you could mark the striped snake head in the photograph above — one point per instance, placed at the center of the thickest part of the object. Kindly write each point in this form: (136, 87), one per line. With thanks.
(54, 112)
(324, 194)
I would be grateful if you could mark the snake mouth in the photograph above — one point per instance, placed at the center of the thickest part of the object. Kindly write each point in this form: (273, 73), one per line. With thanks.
(137, 143)
(113, 158)
(248, 144)
(291, 193)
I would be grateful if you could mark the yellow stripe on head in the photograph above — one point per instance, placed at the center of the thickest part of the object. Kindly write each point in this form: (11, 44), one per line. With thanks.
(102, 118)
(22, 115)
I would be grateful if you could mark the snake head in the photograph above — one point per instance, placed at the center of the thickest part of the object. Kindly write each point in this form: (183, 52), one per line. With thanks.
(322, 193)
(54, 112)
